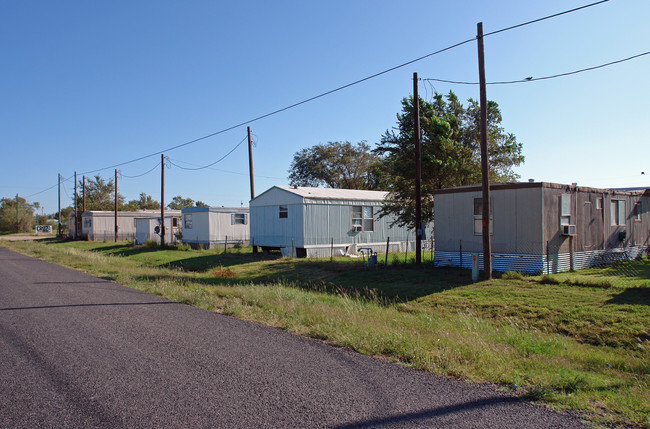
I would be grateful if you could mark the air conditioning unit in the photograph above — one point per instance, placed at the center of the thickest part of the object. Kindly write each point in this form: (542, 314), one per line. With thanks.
(568, 230)
(356, 228)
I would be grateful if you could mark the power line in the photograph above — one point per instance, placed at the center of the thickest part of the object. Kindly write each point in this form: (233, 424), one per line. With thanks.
(532, 79)
(555, 15)
(217, 161)
(334, 90)
(228, 171)
(139, 175)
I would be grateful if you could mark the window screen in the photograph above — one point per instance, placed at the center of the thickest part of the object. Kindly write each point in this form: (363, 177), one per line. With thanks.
(188, 221)
(478, 216)
(238, 219)
(363, 218)
(565, 209)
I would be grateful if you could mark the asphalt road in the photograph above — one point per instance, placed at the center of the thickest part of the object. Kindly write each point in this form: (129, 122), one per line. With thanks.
(78, 351)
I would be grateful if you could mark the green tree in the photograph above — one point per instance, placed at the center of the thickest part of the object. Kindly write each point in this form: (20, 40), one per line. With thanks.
(145, 202)
(336, 165)
(201, 204)
(100, 195)
(450, 147)
(16, 214)
(179, 203)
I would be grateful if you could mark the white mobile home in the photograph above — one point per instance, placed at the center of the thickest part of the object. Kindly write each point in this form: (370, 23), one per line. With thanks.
(149, 229)
(318, 222)
(100, 225)
(209, 226)
(540, 227)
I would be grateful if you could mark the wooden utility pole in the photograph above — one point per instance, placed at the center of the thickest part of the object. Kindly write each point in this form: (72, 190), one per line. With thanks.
(162, 199)
(418, 178)
(250, 170)
(487, 247)
(17, 222)
(116, 205)
(76, 213)
(59, 216)
(250, 162)
(83, 198)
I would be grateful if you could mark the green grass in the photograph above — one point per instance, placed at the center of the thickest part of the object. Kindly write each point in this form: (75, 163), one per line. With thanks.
(576, 341)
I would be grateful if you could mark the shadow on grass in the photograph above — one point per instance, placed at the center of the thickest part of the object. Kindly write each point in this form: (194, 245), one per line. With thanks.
(632, 296)
(385, 286)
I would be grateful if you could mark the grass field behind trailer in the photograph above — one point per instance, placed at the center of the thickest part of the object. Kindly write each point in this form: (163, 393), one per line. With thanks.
(577, 341)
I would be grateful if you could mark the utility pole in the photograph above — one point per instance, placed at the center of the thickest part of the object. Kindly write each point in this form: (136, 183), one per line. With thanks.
(59, 216)
(76, 213)
(418, 178)
(250, 169)
(17, 222)
(83, 199)
(116, 205)
(250, 162)
(487, 247)
(162, 200)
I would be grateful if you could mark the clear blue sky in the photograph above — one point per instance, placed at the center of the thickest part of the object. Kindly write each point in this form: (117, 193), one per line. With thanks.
(87, 85)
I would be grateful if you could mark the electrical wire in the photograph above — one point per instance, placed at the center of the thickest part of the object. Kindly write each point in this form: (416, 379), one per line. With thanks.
(532, 79)
(232, 172)
(210, 165)
(337, 89)
(555, 15)
(139, 175)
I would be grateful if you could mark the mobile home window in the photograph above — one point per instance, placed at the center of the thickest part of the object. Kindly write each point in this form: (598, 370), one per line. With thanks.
(284, 212)
(363, 218)
(599, 203)
(478, 216)
(87, 222)
(174, 222)
(565, 209)
(617, 212)
(188, 221)
(637, 211)
(238, 219)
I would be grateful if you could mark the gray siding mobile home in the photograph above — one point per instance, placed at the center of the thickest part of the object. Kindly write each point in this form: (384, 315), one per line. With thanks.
(317, 222)
(100, 225)
(542, 227)
(210, 226)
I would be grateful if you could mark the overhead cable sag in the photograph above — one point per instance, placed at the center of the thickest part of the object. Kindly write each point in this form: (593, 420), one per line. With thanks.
(532, 79)
(335, 90)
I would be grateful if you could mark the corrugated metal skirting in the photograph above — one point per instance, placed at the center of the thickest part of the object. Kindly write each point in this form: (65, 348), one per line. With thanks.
(541, 264)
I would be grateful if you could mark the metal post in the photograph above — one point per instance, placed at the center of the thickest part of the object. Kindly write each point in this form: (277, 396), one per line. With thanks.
(387, 246)
(17, 222)
(487, 260)
(332, 250)
(418, 178)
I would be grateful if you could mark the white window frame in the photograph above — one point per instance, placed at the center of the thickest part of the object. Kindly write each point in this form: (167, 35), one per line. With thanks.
(565, 209)
(617, 212)
(238, 219)
(478, 217)
(363, 216)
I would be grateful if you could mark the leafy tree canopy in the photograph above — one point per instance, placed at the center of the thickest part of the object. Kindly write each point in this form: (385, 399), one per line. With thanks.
(201, 204)
(100, 195)
(145, 202)
(21, 220)
(340, 165)
(179, 203)
(450, 146)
